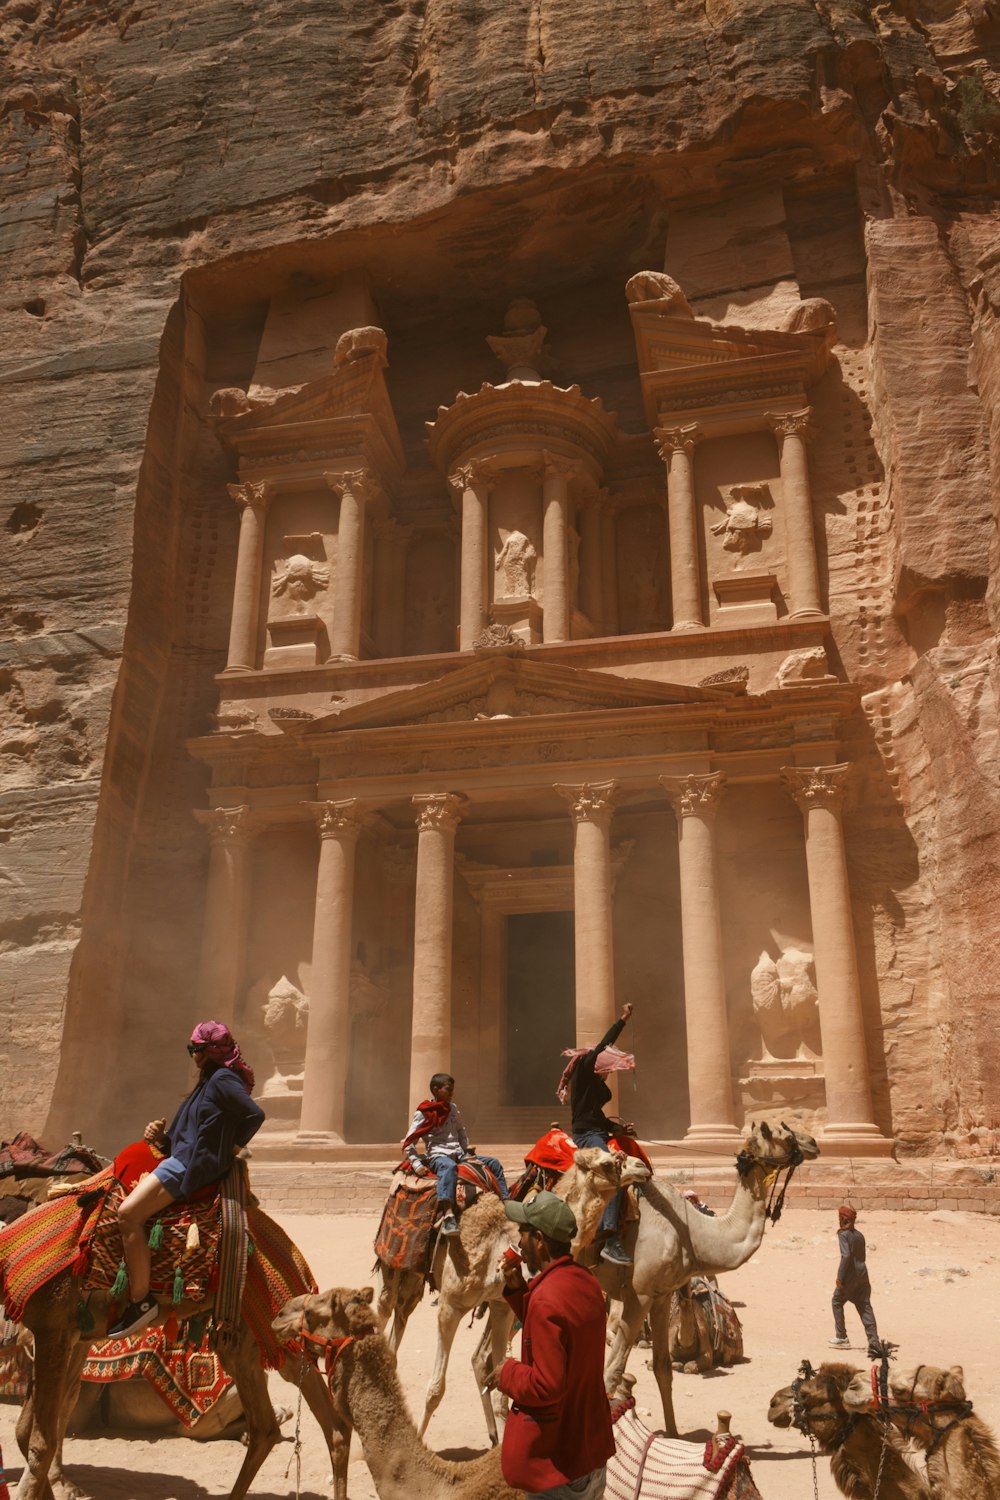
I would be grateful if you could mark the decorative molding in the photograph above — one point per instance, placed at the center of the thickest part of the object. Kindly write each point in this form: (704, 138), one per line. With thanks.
(339, 820)
(358, 481)
(695, 796)
(226, 825)
(737, 677)
(498, 637)
(438, 811)
(472, 474)
(590, 802)
(817, 786)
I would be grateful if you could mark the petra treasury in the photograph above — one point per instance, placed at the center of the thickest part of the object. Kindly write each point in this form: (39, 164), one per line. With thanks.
(499, 522)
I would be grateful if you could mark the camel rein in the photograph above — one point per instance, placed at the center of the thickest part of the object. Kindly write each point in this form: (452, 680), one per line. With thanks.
(745, 1163)
(800, 1420)
(334, 1349)
(915, 1410)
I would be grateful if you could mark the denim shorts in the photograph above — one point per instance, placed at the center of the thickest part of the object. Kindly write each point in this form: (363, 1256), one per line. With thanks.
(170, 1173)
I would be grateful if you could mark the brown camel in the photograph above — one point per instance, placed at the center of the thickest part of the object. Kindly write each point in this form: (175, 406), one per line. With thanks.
(674, 1241)
(51, 1316)
(930, 1406)
(856, 1444)
(367, 1395)
(690, 1332)
(466, 1268)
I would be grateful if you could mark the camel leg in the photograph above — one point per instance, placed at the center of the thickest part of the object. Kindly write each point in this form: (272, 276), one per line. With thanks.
(263, 1432)
(335, 1430)
(411, 1290)
(63, 1487)
(663, 1370)
(448, 1320)
(633, 1313)
(496, 1336)
(53, 1347)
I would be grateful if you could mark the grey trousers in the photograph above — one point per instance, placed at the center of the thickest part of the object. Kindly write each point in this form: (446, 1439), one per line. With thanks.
(587, 1487)
(861, 1298)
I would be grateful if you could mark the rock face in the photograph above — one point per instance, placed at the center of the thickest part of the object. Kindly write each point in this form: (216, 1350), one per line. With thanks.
(206, 199)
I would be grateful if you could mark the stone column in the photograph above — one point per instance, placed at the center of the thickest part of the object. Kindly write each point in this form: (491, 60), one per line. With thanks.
(329, 1033)
(793, 432)
(473, 483)
(244, 624)
(609, 543)
(710, 1088)
(676, 446)
(555, 495)
(390, 585)
(819, 792)
(223, 933)
(591, 806)
(591, 561)
(430, 1047)
(355, 491)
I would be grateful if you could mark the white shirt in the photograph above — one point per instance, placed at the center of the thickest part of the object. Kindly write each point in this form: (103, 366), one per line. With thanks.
(447, 1139)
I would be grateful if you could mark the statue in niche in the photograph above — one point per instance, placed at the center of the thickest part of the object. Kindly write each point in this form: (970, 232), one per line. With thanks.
(745, 523)
(299, 581)
(515, 567)
(285, 1016)
(785, 1003)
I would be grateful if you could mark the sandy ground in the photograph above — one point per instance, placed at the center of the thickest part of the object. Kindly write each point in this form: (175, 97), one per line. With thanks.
(936, 1280)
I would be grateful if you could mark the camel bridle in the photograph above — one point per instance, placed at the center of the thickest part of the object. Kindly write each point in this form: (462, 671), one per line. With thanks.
(915, 1411)
(773, 1167)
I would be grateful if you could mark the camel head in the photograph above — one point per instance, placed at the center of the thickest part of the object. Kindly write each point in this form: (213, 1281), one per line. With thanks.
(599, 1171)
(815, 1402)
(633, 1170)
(777, 1145)
(909, 1388)
(335, 1314)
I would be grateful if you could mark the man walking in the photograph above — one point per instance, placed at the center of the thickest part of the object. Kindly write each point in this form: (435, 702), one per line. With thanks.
(559, 1436)
(853, 1285)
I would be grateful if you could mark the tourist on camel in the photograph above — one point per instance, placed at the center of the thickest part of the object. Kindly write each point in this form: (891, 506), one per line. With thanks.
(216, 1119)
(582, 1083)
(438, 1124)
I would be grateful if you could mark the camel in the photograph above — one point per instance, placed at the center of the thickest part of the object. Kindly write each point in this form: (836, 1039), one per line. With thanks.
(929, 1405)
(466, 1268)
(51, 1316)
(690, 1334)
(857, 1445)
(673, 1241)
(366, 1394)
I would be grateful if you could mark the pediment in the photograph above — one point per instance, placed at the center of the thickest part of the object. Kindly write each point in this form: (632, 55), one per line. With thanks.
(510, 687)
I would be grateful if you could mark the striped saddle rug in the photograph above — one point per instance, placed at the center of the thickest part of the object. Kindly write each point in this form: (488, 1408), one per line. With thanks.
(648, 1465)
(404, 1241)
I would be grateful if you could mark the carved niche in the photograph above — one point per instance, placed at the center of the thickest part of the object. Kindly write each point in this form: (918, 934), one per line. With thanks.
(295, 627)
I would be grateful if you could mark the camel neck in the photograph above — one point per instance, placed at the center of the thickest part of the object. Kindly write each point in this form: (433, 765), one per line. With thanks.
(725, 1242)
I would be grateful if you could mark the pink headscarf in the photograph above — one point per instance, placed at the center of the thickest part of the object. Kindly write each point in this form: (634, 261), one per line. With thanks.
(609, 1060)
(220, 1046)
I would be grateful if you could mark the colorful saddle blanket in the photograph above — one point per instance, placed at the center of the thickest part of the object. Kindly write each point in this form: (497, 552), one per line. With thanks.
(184, 1241)
(662, 1468)
(188, 1377)
(405, 1239)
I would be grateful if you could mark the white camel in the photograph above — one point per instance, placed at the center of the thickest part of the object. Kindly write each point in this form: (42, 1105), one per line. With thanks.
(466, 1267)
(674, 1241)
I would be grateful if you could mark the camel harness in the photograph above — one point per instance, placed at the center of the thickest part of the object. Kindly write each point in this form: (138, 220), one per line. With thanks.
(915, 1410)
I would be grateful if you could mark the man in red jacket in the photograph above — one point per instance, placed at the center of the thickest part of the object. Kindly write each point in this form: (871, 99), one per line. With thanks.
(558, 1436)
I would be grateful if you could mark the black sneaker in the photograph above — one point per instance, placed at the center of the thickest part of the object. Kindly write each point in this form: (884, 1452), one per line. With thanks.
(136, 1317)
(615, 1252)
(449, 1225)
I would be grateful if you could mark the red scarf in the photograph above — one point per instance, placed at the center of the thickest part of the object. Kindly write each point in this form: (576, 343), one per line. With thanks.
(434, 1112)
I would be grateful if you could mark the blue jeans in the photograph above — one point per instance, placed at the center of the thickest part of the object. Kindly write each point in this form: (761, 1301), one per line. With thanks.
(445, 1169)
(612, 1214)
(587, 1487)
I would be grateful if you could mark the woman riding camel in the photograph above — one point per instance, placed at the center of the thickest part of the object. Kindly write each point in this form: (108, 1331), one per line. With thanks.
(216, 1119)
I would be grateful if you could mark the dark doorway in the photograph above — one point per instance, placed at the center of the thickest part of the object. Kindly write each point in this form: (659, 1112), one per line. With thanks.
(541, 1003)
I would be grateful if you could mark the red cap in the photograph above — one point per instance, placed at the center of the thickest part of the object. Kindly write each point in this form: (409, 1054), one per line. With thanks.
(846, 1212)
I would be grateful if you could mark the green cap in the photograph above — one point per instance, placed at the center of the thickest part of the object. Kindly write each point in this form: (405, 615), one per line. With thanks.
(545, 1212)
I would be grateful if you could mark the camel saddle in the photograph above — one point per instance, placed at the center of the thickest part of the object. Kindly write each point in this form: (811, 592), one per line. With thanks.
(405, 1239)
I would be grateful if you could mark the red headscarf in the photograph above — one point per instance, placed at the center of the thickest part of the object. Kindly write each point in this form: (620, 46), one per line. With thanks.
(220, 1047)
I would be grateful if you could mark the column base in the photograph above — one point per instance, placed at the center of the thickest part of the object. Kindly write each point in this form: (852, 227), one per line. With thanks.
(807, 614)
(236, 671)
(317, 1140)
(342, 656)
(687, 625)
(850, 1139)
(713, 1138)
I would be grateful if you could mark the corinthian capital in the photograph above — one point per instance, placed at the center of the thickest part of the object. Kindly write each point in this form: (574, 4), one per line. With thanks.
(336, 820)
(555, 466)
(226, 825)
(440, 811)
(817, 786)
(257, 495)
(695, 796)
(791, 424)
(357, 482)
(677, 440)
(477, 474)
(591, 802)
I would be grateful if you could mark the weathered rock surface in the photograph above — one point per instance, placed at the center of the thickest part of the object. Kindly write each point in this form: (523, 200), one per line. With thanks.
(167, 171)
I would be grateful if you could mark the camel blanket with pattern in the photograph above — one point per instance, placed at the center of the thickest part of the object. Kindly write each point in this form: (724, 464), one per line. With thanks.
(175, 1266)
(404, 1239)
(662, 1468)
(42, 1243)
(189, 1379)
(276, 1271)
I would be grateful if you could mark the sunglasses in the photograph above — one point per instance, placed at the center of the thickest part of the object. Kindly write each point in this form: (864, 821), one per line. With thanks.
(194, 1048)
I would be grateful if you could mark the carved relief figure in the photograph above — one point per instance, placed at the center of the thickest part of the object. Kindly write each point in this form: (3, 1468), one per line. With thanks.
(515, 567)
(657, 286)
(299, 580)
(785, 1002)
(745, 524)
(285, 1018)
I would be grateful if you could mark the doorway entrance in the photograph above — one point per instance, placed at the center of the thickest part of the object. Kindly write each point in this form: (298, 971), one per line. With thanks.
(540, 1003)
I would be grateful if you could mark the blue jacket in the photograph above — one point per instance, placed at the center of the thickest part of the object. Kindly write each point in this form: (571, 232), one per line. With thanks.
(216, 1116)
